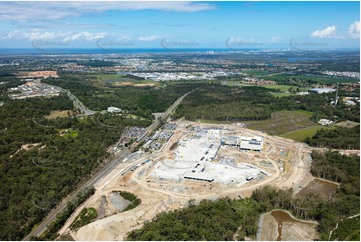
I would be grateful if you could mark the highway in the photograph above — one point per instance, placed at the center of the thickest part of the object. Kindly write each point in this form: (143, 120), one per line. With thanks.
(84, 111)
(40, 229)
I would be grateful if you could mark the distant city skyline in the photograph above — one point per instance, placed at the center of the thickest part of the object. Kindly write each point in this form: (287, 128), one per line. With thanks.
(173, 25)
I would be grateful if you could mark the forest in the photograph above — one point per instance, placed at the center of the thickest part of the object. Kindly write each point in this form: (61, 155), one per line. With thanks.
(339, 138)
(223, 103)
(230, 219)
(38, 165)
(142, 101)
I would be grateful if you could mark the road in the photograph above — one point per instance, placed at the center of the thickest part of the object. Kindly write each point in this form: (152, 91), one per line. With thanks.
(162, 118)
(62, 206)
(84, 111)
(102, 173)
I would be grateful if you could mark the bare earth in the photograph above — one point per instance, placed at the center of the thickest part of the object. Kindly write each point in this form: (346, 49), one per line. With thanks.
(134, 84)
(36, 74)
(296, 230)
(58, 114)
(165, 195)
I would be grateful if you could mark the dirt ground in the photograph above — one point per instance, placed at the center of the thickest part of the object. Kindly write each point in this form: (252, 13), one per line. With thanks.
(134, 84)
(36, 74)
(295, 230)
(58, 114)
(165, 195)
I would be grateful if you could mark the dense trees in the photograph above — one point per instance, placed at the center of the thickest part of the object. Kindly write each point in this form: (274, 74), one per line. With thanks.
(346, 201)
(210, 220)
(35, 179)
(137, 100)
(224, 103)
(339, 138)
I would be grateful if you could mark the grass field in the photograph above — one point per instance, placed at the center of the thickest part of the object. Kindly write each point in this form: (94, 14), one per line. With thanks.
(70, 133)
(86, 216)
(302, 134)
(283, 122)
(284, 88)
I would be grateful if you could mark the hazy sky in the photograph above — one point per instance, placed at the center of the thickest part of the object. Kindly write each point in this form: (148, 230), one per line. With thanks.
(180, 24)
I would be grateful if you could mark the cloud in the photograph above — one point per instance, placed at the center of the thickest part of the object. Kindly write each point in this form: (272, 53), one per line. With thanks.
(19, 11)
(354, 30)
(148, 38)
(60, 36)
(84, 36)
(34, 35)
(329, 32)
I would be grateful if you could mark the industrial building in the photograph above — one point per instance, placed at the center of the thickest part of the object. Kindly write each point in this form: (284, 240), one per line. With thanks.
(251, 143)
(244, 143)
(230, 140)
(321, 90)
(195, 160)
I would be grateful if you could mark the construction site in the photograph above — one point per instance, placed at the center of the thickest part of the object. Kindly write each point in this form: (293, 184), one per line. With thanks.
(192, 161)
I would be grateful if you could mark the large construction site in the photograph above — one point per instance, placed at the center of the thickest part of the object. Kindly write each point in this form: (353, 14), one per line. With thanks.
(187, 160)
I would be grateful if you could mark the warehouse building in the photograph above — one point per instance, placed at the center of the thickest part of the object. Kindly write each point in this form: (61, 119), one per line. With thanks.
(321, 90)
(251, 143)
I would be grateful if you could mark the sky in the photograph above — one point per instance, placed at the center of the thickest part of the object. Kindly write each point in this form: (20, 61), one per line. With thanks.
(172, 25)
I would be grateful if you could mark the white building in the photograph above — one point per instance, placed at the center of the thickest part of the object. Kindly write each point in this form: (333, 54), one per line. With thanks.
(251, 143)
(325, 122)
(321, 90)
(114, 110)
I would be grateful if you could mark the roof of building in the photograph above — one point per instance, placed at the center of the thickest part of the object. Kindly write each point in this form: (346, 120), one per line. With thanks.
(321, 90)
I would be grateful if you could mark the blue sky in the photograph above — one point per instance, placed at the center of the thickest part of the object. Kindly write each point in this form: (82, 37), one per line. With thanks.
(232, 25)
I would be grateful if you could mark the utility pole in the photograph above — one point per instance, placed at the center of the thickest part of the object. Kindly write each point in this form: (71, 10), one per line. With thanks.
(336, 100)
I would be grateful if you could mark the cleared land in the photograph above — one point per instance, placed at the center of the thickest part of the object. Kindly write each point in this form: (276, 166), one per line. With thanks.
(347, 124)
(59, 114)
(283, 122)
(123, 80)
(281, 225)
(159, 195)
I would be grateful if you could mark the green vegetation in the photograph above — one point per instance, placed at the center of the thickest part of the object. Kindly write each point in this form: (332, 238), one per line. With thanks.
(347, 124)
(141, 101)
(86, 216)
(53, 227)
(283, 122)
(71, 134)
(35, 180)
(249, 103)
(346, 201)
(114, 120)
(135, 201)
(210, 220)
(303, 80)
(344, 228)
(302, 134)
(339, 138)
(224, 103)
